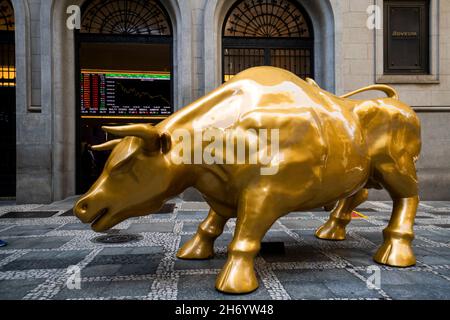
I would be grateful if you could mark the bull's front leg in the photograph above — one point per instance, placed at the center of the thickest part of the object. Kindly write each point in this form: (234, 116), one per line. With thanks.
(334, 228)
(201, 246)
(256, 214)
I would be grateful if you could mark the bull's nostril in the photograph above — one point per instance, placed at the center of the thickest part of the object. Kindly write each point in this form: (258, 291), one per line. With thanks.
(81, 208)
(82, 211)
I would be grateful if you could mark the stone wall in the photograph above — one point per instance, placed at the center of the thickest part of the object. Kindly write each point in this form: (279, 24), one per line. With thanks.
(347, 57)
(34, 148)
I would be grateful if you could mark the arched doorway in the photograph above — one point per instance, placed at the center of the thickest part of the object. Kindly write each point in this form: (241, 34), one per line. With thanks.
(276, 33)
(124, 73)
(8, 101)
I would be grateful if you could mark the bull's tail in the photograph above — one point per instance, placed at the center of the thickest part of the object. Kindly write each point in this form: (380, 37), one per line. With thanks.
(390, 92)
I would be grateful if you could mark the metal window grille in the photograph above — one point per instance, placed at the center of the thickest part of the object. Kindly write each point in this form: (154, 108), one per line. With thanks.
(141, 17)
(266, 18)
(268, 32)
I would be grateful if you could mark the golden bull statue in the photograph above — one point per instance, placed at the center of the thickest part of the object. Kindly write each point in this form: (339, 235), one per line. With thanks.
(329, 149)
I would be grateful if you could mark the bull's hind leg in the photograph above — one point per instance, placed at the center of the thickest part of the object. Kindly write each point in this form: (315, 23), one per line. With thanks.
(255, 217)
(396, 250)
(401, 182)
(334, 228)
(201, 246)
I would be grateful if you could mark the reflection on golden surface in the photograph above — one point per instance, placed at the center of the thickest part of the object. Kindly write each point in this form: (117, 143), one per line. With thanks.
(331, 149)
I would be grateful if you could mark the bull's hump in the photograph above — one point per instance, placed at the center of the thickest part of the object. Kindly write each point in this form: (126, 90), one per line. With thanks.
(254, 92)
(252, 99)
(268, 76)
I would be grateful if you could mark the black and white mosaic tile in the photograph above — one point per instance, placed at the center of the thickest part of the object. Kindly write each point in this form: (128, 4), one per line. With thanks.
(41, 252)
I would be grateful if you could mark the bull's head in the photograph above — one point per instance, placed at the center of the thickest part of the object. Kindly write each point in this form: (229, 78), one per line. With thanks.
(136, 179)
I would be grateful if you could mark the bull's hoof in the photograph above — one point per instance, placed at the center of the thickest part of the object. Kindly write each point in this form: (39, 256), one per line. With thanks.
(237, 277)
(396, 253)
(331, 230)
(196, 249)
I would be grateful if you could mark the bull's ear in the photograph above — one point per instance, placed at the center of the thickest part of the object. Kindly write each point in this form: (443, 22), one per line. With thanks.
(107, 145)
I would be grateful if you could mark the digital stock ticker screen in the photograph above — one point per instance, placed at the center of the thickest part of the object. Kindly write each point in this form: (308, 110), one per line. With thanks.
(125, 94)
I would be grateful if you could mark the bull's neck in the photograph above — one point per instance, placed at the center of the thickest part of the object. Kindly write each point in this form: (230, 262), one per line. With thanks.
(210, 180)
(195, 175)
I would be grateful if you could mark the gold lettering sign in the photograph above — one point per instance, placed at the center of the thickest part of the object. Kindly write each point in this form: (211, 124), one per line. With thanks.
(404, 34)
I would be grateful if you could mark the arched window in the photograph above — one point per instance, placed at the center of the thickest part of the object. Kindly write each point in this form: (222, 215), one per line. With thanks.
(144, 17)
(8, 100)
(124, 73)
(267, 32)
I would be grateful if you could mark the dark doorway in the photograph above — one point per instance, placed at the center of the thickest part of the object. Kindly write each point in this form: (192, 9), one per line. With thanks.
(267, 33)
(124, 64)
(8, 101)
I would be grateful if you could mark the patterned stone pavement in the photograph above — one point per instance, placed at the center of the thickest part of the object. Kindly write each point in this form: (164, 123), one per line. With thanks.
(44, 241)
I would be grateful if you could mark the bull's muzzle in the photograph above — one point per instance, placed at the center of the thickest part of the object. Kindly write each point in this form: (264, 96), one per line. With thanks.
(88, 210)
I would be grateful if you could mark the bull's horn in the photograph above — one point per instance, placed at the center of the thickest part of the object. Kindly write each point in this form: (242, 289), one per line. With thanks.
(152, 138)
(143, 131)
(109, 145)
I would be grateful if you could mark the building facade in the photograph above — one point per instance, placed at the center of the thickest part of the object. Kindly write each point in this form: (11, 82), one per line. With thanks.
(199, 44)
